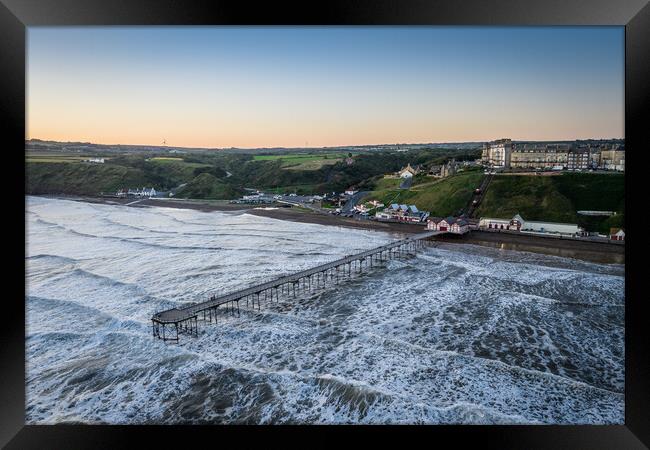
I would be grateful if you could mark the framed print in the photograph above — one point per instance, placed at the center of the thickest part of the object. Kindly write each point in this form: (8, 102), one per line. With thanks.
(371, 217)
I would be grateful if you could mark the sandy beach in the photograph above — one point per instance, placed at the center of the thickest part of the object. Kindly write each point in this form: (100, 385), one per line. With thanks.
(597, 252)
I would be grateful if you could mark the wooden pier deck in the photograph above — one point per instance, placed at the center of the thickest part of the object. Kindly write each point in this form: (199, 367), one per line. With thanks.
(184, 320)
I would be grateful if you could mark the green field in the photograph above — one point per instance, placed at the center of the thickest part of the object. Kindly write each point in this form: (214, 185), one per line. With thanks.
(557, 198)
(298, 157)
(441, 198)
(302, 161)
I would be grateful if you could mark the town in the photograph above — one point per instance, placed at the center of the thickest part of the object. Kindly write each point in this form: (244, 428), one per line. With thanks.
(498, 157)
(459, 187)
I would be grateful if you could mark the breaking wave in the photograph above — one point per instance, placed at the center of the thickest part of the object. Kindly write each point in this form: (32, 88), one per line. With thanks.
(459, 334)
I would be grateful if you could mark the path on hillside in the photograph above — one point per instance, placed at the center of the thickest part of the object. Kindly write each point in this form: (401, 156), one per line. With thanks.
(406, 183)
(470, 209)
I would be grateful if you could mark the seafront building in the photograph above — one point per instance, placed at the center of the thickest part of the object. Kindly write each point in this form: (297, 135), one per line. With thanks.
(449, 224)
(504, 154)
(616, 234)
(497, 154)
(534, 156)
(613, 159)
(144, 192)
(517, 223)
(402, 213)
(578, 158)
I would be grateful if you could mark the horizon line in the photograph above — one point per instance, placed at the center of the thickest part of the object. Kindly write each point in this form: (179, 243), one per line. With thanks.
(331, 146)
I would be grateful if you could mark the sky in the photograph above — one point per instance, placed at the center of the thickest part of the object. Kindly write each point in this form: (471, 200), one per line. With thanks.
(252, 87)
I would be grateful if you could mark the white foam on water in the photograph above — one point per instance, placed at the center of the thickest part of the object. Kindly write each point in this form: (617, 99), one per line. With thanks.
(458, 334)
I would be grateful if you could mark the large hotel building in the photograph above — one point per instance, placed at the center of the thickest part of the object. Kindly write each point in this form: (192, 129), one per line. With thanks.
(504, 154)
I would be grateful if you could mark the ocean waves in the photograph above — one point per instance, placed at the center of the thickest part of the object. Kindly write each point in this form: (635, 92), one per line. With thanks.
(458, 334)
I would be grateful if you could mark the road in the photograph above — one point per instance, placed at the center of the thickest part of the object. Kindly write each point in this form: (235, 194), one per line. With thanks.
(406, 183)
(352, 201)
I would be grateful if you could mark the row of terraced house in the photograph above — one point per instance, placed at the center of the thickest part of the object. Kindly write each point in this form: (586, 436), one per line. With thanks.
(505, 154)
(402, 213)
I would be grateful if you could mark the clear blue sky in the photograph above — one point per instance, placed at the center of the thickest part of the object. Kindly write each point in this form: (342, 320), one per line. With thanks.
(288, 86)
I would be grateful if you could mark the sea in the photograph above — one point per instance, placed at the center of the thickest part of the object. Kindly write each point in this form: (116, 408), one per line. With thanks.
(458, 334)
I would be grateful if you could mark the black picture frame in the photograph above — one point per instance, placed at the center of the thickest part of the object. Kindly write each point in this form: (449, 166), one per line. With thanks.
(16, 15)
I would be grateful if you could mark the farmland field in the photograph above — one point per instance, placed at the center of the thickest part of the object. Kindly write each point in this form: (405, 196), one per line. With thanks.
(165, 158)
(302, 161)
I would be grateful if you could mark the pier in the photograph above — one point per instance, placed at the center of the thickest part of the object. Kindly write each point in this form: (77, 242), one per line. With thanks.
(168, 325)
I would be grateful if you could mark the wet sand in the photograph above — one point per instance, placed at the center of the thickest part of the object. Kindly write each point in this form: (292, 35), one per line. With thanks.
(598, 252)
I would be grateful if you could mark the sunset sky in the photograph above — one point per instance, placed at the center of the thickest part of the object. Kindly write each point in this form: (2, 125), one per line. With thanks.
(323, 86)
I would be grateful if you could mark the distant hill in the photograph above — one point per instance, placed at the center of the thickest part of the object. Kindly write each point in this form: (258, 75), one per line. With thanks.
(69, 175)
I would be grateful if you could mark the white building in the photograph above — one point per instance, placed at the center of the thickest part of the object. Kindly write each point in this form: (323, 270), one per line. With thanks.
(552, 227)
(497, 153)
(402, 213)
(449, 224)
(144, 192)
(616, 234)
(407, 172)
(613, 160)
(517, 223)
(513, 224)
(578, 159)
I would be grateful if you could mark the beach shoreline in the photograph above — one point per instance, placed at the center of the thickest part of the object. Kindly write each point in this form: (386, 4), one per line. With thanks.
(597, 252)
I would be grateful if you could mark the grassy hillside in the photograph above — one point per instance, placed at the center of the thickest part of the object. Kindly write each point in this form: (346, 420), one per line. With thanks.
(208, 186)
(557, 198)
(588, 191)
(306, 173)
(533, 197)
(440, 197)
(65, 175)
(77, 178)
(272, 172)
